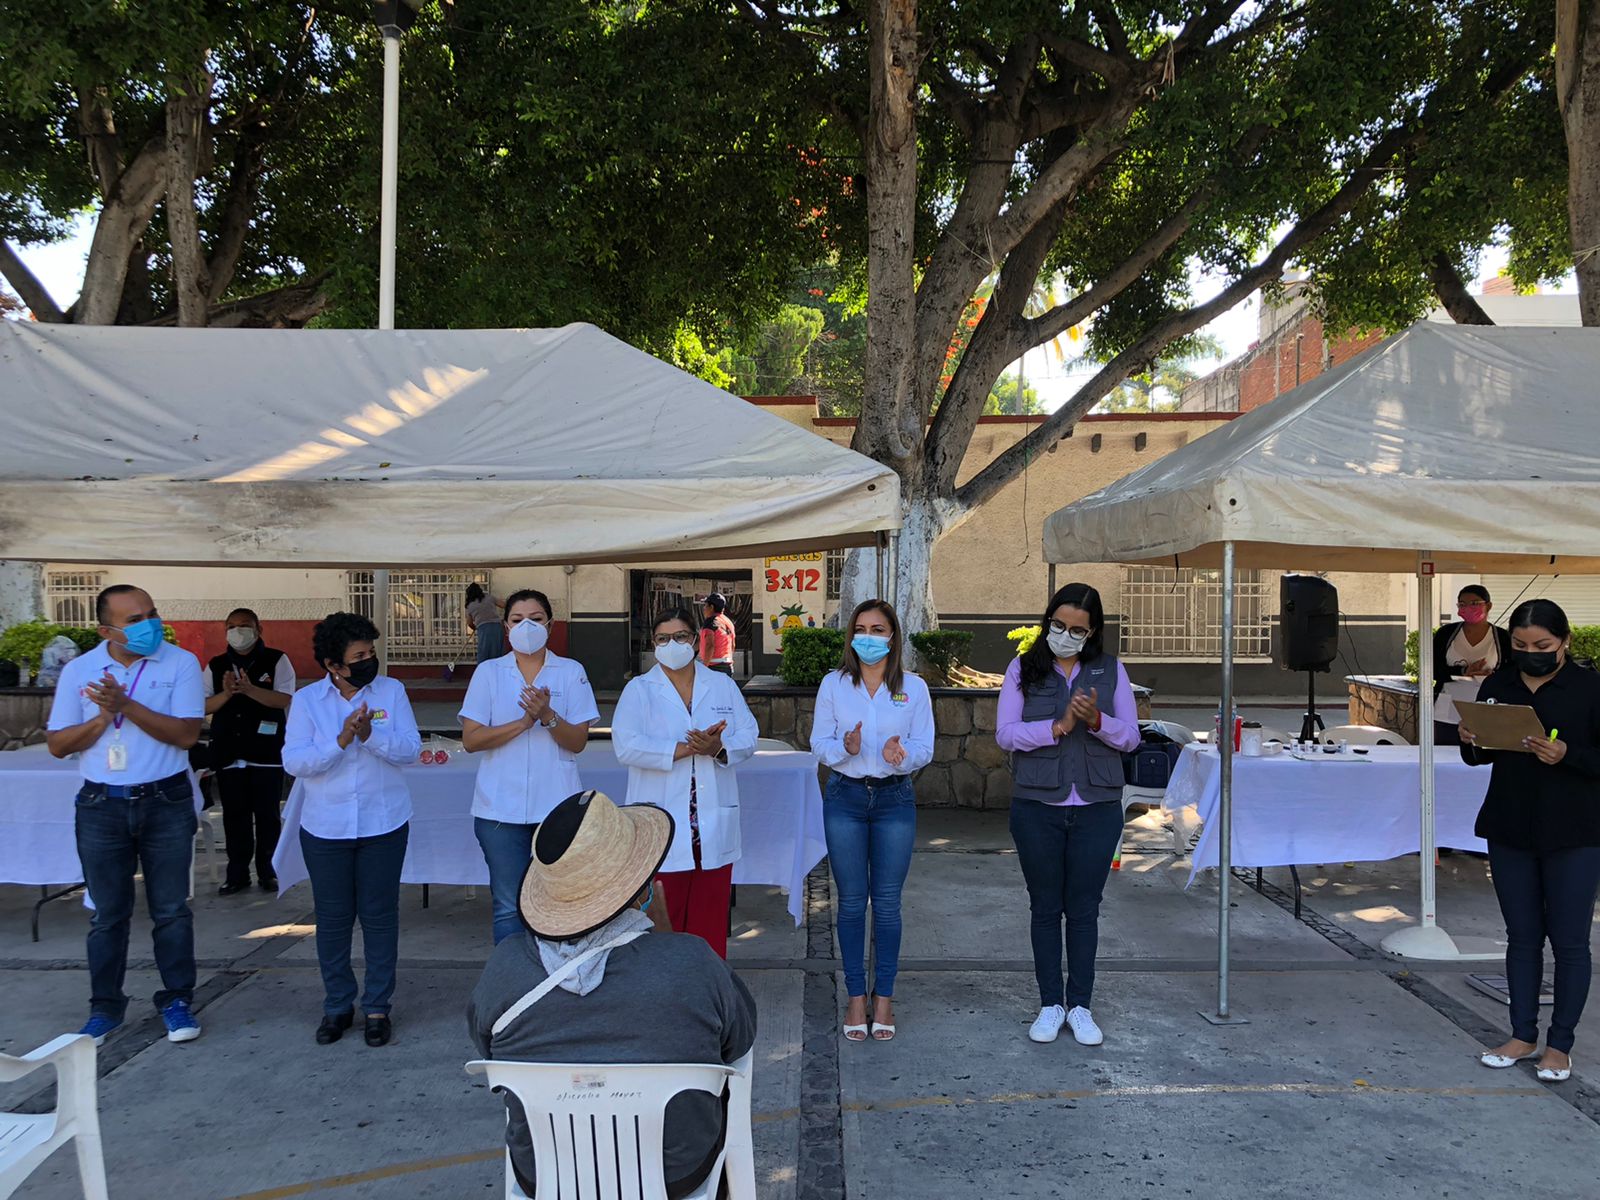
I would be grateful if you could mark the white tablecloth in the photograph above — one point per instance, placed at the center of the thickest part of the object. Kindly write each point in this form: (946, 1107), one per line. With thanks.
(1353, 808)
(37, 842)
(780, 821)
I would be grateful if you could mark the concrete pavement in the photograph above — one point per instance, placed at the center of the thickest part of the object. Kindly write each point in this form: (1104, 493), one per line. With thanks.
(1352, 1079)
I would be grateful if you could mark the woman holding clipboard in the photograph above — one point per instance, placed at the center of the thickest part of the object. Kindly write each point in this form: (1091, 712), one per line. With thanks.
(1541, 819)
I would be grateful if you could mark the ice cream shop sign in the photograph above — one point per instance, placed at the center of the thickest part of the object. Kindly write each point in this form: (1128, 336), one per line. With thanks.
(794, 592)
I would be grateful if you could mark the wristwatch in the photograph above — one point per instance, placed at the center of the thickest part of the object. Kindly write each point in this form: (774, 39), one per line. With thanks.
(551, 723)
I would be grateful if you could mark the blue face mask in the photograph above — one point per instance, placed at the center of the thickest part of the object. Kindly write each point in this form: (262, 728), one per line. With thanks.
(649, 896)
(144, 637)
(870, 649)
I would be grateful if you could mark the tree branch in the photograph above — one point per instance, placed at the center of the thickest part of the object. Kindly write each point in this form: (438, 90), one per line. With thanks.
(1448, 285)
(1089, 58)
(1006, 466)
(98, 125)
(287, 307)
(243, 178)
(186, 128)
(1063, 317)
(122, 222)
(27, 285)
(1111, 28)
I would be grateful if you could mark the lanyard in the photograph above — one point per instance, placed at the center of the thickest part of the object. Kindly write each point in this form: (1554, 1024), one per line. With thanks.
(116, 721)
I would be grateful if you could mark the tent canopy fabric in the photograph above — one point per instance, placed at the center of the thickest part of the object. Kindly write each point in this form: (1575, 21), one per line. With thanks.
(366, 448)
(1477, 444)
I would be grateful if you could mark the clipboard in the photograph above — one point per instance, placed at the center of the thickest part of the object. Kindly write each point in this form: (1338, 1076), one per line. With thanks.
(1500, 726)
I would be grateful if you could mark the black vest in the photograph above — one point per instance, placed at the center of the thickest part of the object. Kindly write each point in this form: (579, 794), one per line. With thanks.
(236, 726)
(1079, 760)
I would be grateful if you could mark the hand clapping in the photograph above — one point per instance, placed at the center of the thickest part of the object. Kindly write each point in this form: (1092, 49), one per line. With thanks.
(1086, 708)
(852, 741)
(535, 702)
(893, 752)
(357, 726)
(108, 694)
(707, 742)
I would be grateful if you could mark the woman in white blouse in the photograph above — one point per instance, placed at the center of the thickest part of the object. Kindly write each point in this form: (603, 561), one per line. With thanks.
(348, 735)
(528, 713)
(874, 728)
(680, 729)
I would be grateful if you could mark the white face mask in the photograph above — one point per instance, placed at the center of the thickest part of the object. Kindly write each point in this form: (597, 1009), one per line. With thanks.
(529, 637)
(1065, 644)
(242, 638)
(674, 656)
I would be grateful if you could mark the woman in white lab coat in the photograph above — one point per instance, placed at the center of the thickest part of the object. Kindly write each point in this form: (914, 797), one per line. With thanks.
(680, 729)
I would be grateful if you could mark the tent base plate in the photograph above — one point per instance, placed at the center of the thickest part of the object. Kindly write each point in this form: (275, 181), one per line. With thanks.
(1431, 942)
(1220, 1020)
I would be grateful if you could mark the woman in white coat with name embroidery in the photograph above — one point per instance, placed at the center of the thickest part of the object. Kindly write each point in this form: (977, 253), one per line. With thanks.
(680, 729)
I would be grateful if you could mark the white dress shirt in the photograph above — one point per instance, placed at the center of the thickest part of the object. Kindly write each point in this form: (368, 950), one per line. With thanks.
(166, 682)
(650, 722)
(906, 714)
(357, 791)
(521, 781)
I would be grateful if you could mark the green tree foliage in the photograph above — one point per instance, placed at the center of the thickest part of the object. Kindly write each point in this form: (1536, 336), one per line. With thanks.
(1004, 400)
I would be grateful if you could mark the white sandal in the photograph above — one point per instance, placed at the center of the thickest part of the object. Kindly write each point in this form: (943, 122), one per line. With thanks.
(857, 1033)
(1499, 1062)
(1554, 1075)
(886, 1030)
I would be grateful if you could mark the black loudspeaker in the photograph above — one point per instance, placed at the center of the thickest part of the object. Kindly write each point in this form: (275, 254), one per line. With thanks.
(1309, 613)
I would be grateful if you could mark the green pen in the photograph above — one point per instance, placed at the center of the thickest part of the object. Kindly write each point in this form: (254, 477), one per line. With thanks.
(1553, 733)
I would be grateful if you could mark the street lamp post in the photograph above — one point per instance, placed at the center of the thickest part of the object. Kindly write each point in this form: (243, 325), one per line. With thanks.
(393, 17)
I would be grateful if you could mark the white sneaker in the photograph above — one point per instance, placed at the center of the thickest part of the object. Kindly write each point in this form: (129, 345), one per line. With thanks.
(1049, 1023)
(1084, 1028)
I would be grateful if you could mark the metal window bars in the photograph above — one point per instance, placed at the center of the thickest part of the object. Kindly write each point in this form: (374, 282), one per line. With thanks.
(427, 617)
(1176, 614)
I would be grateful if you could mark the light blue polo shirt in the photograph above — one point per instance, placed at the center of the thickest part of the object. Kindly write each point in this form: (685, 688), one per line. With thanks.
(166, 682)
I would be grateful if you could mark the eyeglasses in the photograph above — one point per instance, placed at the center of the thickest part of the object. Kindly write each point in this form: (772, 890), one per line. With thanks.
(1075, 631)
(683, 637)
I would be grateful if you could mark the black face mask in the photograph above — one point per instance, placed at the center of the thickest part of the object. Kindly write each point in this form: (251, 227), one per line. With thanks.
(363, 672)
(1536, 663)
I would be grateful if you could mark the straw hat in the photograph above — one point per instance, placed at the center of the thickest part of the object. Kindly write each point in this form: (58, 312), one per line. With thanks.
(590, 859)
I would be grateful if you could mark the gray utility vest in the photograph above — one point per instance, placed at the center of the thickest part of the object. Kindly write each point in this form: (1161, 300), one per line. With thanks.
(1079, 759)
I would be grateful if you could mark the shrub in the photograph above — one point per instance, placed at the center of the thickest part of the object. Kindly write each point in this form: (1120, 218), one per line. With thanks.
(24, 642)
(1024, 636)
(943, 649)
(809, 654)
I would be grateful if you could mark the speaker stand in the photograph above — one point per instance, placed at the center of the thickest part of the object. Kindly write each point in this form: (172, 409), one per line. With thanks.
(1312, 724)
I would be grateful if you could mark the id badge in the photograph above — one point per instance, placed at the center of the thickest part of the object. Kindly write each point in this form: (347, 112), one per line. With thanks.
(267, 729)
(117, 757)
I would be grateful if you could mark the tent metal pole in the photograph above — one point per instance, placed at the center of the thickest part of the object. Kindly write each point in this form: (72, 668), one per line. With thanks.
(894, 567)
(380, 612)
(880, 557)
(1223, 1016)
(1425, 939)
(390, 176)
(1425, 617)
(1052, 583)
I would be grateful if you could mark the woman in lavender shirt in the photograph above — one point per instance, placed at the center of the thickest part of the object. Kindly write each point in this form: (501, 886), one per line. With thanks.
(1067, 714)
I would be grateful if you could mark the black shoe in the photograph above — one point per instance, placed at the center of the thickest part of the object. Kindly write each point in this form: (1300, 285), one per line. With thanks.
(233, 889)
(269, 884)
(332, 1028)
(379, 1031)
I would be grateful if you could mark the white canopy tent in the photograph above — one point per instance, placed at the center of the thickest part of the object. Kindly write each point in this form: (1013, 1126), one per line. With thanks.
(1444, 449)
(367, 448)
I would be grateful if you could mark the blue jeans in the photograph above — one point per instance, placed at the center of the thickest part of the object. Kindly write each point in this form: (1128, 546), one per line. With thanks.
(353, 877)
(1066, 855)
(871, 831)
(153, 833)
(1546, 897)
(508, 849)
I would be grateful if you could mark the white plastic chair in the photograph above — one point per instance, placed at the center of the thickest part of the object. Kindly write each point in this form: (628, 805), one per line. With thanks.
(597, 1127)
(1362, 735)
(27, 1140)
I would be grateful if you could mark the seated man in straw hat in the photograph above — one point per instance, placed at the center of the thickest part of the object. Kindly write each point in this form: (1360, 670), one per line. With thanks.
(624, 993)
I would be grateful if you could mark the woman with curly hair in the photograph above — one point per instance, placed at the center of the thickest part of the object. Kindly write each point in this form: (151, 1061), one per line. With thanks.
(348, 736)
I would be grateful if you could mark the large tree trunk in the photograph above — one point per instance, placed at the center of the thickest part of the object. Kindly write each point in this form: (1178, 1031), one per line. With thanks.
(1578, 89)
(21, 592)
(123, 219)
(186, 131)
(890, 429)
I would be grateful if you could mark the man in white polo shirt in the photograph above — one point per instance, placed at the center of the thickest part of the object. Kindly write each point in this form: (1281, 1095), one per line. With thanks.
(131, 708)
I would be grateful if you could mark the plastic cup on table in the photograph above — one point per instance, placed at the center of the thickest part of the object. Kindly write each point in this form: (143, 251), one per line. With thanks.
(427, 758)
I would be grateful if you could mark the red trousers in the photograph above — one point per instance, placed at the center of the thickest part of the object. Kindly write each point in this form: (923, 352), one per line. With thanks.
(697, 902)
